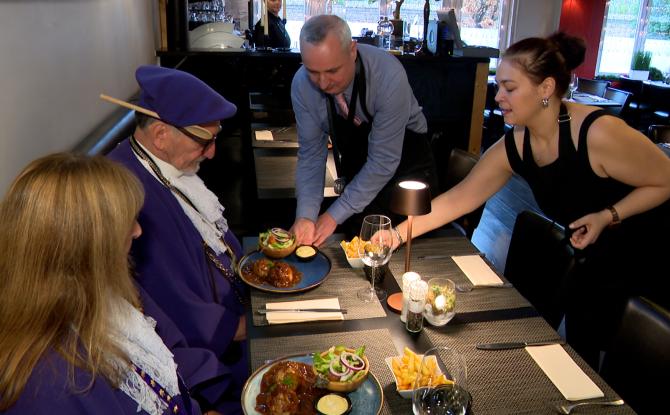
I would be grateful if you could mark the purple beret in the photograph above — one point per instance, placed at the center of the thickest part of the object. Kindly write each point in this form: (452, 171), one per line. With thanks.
(180, 98)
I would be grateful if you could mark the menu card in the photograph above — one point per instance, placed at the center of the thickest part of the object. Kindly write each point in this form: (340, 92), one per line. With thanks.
(477, 270)
(283, 317)
(564, 373)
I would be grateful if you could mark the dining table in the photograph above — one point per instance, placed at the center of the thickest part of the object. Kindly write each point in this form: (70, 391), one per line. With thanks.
(499, 381)
(593, 100)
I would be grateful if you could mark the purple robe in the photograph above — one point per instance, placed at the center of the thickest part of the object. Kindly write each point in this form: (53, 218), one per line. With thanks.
(49, 392)
(186, 293)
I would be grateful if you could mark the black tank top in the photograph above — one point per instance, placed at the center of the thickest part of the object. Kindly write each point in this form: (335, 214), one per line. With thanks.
(568, 188)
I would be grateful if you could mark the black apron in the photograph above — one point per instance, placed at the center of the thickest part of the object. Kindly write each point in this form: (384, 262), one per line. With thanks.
(350, 148)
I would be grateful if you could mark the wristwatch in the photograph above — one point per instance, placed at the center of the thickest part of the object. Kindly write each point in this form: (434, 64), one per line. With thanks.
(615, 216)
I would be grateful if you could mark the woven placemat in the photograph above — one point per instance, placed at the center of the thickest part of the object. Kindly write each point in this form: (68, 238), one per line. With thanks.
(479, 299)
(378, 345)
(509, 381)
(342, 282)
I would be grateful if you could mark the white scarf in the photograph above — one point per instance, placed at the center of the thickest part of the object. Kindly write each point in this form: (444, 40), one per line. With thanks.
(208, 218)
(135, 334)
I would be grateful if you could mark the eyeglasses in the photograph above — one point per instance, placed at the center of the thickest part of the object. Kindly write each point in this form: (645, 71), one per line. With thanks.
(199, 134)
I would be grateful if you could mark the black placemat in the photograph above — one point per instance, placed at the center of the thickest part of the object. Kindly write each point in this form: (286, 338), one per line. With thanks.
(342, 282)
(431, 258)
(509, 381)
(378, 345)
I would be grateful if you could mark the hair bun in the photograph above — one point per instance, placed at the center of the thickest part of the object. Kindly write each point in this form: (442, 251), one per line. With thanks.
(572, 48)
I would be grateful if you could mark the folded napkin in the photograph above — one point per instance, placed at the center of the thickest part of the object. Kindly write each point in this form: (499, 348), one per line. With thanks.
(283, 317)
(478, 272)
(265, 135)
(564, 373)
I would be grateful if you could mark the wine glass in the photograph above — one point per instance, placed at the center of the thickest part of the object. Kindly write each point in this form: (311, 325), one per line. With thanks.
(574, 84)
(441, 386)
(375, 250)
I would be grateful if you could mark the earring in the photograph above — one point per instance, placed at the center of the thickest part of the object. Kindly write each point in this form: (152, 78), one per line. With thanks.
(545, 102)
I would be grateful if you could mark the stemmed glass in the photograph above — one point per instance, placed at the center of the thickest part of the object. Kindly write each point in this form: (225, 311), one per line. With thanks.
(441, 384)
(375, 250)
(574, 84)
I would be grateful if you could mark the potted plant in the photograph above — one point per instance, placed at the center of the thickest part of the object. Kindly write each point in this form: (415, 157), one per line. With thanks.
(640, 67)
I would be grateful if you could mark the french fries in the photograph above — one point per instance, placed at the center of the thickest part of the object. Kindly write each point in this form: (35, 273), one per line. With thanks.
(406, 370)
(351, 248)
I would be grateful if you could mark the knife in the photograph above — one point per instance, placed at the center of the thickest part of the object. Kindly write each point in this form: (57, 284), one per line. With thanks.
(443, 256)
(515, 345)
(298, 310)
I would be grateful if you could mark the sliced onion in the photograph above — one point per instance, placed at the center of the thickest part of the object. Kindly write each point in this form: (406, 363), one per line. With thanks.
(357, 364)
(334, 371)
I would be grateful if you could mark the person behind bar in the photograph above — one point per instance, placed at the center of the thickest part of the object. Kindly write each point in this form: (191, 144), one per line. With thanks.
(277, 36)
(186, 259)
(73, 338)
(360, 96)
(604, 181)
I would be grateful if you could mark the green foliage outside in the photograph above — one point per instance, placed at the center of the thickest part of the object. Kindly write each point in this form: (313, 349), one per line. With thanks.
(655, 74)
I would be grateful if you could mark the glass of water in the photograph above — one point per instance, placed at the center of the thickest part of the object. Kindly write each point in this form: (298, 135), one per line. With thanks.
(441, 386)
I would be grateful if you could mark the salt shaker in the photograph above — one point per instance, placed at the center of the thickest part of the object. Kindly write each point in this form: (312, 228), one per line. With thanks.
(407, 279)
(417, 300)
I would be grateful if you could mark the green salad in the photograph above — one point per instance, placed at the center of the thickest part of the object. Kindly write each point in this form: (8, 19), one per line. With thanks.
(340, 364)
(276, 238)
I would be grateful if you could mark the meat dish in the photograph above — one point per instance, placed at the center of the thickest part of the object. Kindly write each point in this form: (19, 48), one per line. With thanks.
(276, 273)
(289, 388)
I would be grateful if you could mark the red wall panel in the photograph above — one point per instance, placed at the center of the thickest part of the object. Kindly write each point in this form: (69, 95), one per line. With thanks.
(584, 18)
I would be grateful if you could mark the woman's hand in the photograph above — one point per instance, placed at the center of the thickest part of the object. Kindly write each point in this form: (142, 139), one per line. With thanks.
(587, 228)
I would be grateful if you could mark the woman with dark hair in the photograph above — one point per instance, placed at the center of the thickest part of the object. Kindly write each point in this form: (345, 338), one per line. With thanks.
(605, 182)
(73, 338)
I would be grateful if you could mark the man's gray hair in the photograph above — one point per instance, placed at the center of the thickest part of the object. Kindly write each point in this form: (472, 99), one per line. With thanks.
(316, 29)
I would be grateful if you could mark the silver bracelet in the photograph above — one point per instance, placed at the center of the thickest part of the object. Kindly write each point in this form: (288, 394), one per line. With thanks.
(397, 233)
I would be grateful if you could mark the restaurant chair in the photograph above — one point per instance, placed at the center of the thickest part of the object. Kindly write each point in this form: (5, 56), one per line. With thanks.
(592, 86)
(658, 99)
(639, 357)
(659, 133)
(622, 97)
(538, 261)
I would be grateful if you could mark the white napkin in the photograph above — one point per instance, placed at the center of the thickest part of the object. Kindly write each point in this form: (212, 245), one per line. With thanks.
(265, 135)
(564, 373)
(283, 317)
(478, 272)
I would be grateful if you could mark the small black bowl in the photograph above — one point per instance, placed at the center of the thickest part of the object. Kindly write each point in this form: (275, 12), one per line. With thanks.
(348, 410)
(306, 253)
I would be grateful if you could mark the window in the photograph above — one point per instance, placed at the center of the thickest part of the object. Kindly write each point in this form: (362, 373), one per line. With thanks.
(631, 26)
(479, 20)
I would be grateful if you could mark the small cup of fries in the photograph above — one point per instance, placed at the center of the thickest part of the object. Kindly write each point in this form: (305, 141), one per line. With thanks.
(351, 251)
(406, 368)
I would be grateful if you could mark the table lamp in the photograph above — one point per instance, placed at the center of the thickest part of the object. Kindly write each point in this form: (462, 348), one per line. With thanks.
(410, 198)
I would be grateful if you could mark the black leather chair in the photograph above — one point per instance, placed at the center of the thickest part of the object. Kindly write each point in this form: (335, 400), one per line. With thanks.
(459, 165)
(538, 261)
(637, 363)
(622, 97)
(592, 86)
(659, 133)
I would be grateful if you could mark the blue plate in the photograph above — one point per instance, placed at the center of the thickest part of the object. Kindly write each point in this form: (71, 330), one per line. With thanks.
(366, 400)
(313, 272)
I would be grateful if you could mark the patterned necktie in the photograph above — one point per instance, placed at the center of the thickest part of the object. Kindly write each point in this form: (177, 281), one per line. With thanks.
(344, 109)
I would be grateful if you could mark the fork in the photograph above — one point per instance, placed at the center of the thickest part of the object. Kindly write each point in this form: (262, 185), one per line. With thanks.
(567, 409)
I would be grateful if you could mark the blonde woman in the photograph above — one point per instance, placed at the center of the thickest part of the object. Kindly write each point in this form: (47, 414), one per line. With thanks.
(72, 336)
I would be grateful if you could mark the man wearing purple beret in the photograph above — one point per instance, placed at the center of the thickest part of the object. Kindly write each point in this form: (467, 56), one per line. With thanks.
(186, 255)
